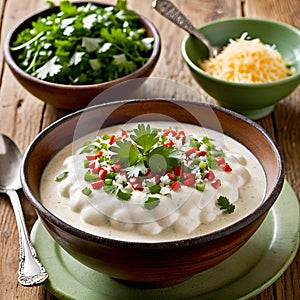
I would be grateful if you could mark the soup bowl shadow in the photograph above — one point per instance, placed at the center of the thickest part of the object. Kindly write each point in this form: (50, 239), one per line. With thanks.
(152, 264)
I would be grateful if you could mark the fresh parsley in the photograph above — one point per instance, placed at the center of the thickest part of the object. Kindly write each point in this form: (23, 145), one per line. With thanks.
(83, 44)
(224, 203)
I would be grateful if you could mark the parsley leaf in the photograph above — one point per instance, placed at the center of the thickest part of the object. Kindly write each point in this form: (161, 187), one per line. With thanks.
(83, 44)
(224, 203)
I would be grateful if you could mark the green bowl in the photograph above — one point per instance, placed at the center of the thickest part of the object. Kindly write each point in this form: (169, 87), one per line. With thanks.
(254, 100)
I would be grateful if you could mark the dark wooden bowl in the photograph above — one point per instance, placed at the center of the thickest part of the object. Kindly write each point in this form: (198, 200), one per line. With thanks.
(73, 97)
(163, 263)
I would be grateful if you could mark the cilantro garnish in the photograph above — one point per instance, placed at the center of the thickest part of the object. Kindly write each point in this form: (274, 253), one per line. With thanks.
(83, 44)
(145, 137)
(151, 202)
(123, 195)
(224, 203)
(154, 161)
(143, 152)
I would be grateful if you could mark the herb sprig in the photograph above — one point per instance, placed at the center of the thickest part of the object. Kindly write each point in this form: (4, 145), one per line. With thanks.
(83, 44)
(154, 161)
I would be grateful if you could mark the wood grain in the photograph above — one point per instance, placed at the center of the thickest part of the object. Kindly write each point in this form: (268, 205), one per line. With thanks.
(22, 116)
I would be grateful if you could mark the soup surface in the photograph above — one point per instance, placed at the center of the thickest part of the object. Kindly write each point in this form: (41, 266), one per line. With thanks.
(153, 182)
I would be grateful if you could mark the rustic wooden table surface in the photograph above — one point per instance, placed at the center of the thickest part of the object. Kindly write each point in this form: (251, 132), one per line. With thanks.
(23, 116)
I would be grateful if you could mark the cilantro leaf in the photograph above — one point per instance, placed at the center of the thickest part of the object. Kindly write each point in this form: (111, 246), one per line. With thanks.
(136, 169)
(123, 195)
(224, 203)
(153, 188)
(163, 158)
(151, 202)
(112, 40)
(48, 69)
(125, 153)
(145, 136)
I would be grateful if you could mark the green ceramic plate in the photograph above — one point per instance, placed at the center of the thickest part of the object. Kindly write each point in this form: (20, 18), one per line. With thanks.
(259, 263)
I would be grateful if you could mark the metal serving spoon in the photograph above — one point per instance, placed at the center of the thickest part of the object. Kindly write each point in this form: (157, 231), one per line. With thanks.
(168, 10)
(31, 272)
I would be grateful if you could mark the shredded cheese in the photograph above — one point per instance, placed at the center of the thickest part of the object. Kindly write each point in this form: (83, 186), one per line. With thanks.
(248, 61)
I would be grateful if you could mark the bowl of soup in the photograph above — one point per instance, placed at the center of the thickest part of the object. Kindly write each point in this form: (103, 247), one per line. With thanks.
(258, 66)
(68, 54)
(133, 188)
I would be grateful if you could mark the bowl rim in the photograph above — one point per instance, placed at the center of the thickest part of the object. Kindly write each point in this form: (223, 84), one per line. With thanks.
(29, 18)
(198, 70)
(178, 244)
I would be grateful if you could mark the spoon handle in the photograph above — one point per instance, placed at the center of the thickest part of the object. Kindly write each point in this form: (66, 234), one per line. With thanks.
(31, 272)
(168, 10)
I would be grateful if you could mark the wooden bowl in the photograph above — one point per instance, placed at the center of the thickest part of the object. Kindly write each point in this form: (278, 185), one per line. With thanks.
(73, 97)
(155, 264)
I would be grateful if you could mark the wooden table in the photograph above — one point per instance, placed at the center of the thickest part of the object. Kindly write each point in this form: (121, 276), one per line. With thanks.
(22, 117)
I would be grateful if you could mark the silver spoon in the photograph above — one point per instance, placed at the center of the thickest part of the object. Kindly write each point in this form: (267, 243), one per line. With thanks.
(168, 10)
(31, 272)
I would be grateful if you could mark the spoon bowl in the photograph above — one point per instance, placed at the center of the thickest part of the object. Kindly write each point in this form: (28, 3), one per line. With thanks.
(31, 272)
(171, 12)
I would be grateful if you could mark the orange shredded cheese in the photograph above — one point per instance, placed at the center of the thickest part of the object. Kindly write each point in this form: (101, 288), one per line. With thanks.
(247, 61)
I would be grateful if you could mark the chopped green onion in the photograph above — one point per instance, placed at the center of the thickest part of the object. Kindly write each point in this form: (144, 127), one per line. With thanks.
(61, 176)
(86, 191)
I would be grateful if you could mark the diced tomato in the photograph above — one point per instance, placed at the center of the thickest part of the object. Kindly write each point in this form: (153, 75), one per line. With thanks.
(94, 156)
(216, 184)
(91, 164)
(124, 134)
(123, 172)
(189, 182)
(96, 170)
(134, 180)
(175, 186)
(112, 139)
(166, 132)
(157, 178)
(191, 151)
(98, 184)
(226, 167)
(187, 175)
(220, 160)
(136, 183)
(210, 175)
(102, 173)
(149, 174)
(177, 170)
(168, 143)
(172, 176)
(117, 167)
(181, 135)
(201, 153)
